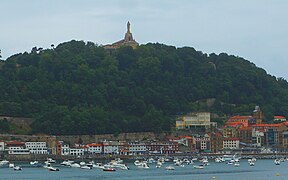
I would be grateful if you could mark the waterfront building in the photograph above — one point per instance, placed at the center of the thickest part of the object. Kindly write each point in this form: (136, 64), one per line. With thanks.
(230, 143)
(77, 151)
(258, 137)
(230, 130)
(273, 134)
(203, 143)
(37, 147)
(94, 148)
(162, 147)
(137, 148)
(62, 148)
(194, 120)
(285, 141)
(216, 141)
(110, 147)
(16, 147)
(127, 41)
(245, 135)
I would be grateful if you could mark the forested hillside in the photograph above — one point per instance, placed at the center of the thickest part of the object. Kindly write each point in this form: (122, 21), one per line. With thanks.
(79, 88)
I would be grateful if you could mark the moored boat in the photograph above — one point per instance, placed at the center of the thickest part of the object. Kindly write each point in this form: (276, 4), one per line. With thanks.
(108, 169)
(17, 168)
(198, 166)
(170, 168)
(277, 161)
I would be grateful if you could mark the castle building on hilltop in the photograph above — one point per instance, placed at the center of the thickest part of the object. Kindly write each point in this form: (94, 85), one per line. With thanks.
(127, 41)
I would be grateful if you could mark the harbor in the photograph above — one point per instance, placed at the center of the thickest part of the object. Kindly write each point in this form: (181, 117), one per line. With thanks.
(170, 169)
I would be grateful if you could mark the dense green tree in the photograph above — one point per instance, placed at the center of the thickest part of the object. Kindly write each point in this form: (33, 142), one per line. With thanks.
(80, 88)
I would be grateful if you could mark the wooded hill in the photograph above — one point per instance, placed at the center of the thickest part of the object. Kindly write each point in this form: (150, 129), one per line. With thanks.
(80, 88)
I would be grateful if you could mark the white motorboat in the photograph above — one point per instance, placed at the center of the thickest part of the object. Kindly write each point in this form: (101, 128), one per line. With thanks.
(85, 167)
(170, 168)
(151, 160)
(236, 164)
(198, 167)
(33, 162)
(118, 160)
(11, 165)
(143, 165)
(50, 168)
(82, 163)
(218, 160)
(277, 161)
(3, 162)
(67, 163)
(158, 165)
(17, 168)
(98, 165)
(108, 169)
(50, 160)
(251, 163)
(75, 165)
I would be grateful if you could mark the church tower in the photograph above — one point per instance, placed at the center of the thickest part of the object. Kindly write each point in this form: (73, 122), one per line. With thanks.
(257, 114)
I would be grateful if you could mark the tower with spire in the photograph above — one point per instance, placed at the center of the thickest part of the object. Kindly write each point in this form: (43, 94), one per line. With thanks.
(127, 41)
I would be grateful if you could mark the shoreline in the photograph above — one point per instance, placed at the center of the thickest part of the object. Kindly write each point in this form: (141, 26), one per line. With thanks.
(106, 157)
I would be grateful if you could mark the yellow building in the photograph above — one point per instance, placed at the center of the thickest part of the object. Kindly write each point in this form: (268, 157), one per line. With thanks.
(200, 119)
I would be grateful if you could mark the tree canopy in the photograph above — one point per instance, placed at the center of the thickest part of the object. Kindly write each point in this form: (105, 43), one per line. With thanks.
(80, 88)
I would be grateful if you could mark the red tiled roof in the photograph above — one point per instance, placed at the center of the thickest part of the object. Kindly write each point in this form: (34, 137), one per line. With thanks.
(267, 125)
(187, 137)
(245, 128)
(231, 139)
(279, 117)
(94, 145)
(15, 143)
(239, 117)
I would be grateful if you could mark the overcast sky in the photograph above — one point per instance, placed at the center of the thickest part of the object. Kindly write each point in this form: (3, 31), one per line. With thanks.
(256, 30)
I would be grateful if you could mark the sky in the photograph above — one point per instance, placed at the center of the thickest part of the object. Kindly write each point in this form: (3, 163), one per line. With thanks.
(256, 30)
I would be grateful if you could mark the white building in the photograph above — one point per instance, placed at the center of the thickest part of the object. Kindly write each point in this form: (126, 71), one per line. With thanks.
(2, 145)
(37, 147)
(15, 147)
(231, 143)
(65, 149)
(94, 148)
(77, 151)
(137, 148)
(111, 147)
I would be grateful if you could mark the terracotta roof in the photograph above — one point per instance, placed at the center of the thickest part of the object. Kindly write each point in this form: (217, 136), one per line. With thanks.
(187, 137)
(267, 125)
(231, 139)
(279, 117)
(15, 143)
(94, 145)
(245, 128)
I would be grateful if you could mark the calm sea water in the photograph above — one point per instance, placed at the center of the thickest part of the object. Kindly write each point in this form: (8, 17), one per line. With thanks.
(263, 169)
